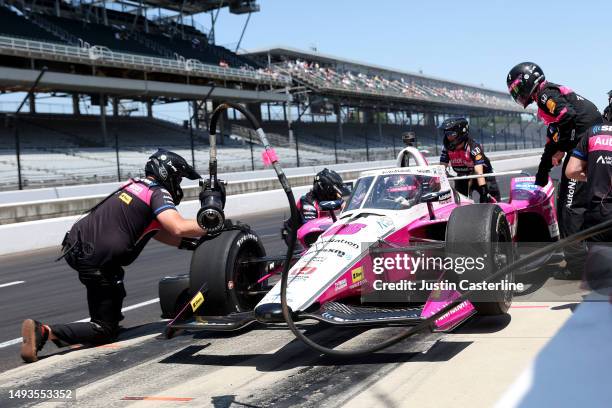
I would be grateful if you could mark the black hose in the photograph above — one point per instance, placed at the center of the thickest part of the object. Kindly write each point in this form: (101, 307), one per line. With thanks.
(422, 325)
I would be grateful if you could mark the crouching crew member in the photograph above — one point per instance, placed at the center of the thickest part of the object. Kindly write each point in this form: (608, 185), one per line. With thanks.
(111, 236)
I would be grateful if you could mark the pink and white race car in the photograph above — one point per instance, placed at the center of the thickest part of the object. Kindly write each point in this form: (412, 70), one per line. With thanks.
(338, 279)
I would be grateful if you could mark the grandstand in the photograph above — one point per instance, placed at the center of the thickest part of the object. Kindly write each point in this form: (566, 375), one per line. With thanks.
(105, 56)
(333, 75)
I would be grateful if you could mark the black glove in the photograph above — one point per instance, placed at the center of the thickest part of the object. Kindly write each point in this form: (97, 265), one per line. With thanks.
(485, 197)
(541, 178)
(190, 244)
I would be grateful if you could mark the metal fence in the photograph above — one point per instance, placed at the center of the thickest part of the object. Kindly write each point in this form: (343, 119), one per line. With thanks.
(72, 152)
(103, 56)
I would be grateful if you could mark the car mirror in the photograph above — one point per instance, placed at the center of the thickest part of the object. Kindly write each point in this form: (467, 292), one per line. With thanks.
(331, 205)
(435, 196)
(348, 185)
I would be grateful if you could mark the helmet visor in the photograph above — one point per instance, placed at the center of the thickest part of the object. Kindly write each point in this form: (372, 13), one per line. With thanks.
(518, 96)
(452, 139)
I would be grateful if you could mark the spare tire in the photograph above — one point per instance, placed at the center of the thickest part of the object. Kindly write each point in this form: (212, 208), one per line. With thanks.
(474, 231)
(219, 263)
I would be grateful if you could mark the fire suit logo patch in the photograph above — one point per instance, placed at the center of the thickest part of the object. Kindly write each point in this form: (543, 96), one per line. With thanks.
(555, 137)
(125, 198)
(551, 106)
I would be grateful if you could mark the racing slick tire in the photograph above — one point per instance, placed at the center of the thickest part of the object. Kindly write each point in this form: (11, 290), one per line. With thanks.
(220, 263)
(470, 232)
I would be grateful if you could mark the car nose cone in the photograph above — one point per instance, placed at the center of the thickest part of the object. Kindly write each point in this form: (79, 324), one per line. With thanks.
(270, 313)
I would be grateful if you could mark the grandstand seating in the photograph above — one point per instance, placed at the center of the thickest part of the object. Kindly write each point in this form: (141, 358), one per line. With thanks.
(326, 78)
(99, 34)
(118, 37)
(18, 26)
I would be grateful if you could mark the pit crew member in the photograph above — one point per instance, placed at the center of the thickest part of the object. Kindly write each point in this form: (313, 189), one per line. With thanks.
(111, 236)
(568, 116)
(591, 161)
(327, 186)
(466, 157)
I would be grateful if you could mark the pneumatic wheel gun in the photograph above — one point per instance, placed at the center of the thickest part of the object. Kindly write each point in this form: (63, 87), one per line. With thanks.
(212, 200)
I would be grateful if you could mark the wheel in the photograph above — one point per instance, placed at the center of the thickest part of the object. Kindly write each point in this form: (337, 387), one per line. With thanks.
(473, 231)
(220, 263)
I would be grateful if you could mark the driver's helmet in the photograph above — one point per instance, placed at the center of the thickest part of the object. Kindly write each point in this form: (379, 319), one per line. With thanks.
(523, 80)
(401, 185)
(168, 169)
(455, 131)
(328, 186)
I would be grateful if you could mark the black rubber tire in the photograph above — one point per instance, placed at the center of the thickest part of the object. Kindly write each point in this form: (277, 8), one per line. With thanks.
(217, 262)
(470, 231)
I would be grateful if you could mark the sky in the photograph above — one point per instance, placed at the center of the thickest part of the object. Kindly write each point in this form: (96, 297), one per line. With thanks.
(474, 42)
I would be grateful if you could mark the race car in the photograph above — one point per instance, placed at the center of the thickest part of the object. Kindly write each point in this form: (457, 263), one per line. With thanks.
(412, 211)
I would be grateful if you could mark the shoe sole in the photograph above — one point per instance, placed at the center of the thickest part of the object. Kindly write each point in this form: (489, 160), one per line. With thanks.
(28, 345)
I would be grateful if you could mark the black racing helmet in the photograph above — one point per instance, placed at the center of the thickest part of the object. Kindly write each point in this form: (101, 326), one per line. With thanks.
(456, 129)
(409, 138)
(523, 81)
(168, 169)
(328, 186)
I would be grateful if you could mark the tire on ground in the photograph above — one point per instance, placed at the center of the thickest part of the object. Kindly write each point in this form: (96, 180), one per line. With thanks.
(473, 231)
(218, 262)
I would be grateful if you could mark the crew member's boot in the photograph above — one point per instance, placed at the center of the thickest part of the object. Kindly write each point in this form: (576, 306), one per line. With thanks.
(34, 336)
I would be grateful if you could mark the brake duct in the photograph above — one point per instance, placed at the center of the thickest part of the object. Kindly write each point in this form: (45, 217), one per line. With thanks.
(270, 157)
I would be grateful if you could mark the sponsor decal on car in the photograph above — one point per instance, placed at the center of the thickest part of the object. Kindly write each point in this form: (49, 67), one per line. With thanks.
(529, 186)
(341, 284)
(337, 241)
(530, 179)
(304, 271)
(345, 229)
(312, 259)
(384, 224)
(357, 284)
(357, 274)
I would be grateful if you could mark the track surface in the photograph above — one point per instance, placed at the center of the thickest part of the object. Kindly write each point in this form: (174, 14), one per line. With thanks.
(259, 367)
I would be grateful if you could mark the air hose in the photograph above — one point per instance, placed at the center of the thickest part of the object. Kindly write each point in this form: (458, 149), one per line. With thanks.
(422, 325)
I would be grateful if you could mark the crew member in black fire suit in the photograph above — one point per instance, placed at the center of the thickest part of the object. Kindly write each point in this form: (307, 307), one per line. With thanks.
(568, 116)
(467, 157)
(591, 161)
(110, 237)
(327, 186)
(607, 113)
